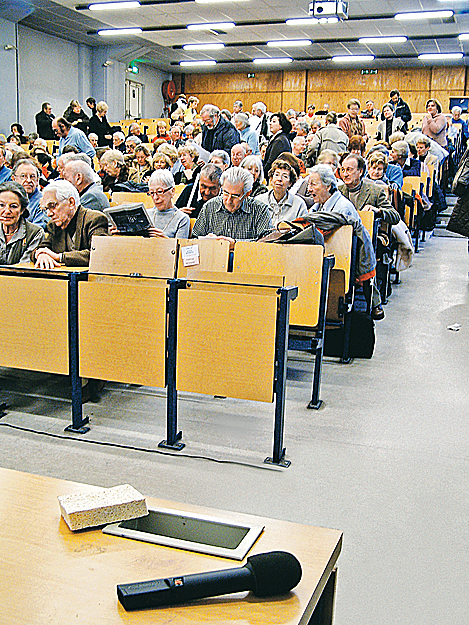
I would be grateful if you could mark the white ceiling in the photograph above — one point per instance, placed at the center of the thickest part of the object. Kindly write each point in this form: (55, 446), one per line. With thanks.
(161, 46)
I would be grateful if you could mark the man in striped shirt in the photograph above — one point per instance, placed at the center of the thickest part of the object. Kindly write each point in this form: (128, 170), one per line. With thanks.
(234, 215)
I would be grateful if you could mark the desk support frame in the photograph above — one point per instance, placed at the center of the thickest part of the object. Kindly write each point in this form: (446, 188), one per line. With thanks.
(173, 437)
(318, 340)
(79, 423)
(346, 359)
(287, 294)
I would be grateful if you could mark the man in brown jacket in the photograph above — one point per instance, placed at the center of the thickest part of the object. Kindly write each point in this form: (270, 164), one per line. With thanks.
(70, 229)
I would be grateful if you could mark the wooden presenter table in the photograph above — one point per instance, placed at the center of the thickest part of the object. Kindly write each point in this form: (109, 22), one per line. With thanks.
(52, 575)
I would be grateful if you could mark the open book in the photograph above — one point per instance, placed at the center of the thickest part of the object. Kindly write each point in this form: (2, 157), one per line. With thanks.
(129, 218)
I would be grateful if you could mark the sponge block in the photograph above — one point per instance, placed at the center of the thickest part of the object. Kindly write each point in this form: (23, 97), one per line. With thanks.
(107, 505)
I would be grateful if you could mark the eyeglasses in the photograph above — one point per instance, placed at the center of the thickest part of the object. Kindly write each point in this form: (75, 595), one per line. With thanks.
(158, 193)
(22, 177)
(233, 196)
(50, 207)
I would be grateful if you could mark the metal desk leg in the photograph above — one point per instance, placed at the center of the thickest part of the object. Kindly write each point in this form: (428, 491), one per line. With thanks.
(324, 611)
(172, 435)
(281, 348)
(78, 422)
(315, 402)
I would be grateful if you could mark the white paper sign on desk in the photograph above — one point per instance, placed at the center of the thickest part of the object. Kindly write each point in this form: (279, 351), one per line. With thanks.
(190, 255)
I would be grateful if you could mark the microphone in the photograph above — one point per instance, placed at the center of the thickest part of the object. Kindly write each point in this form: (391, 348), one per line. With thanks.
(266, 574)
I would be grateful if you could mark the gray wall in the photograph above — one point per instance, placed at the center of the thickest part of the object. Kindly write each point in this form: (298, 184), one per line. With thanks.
(8, 104)
(55, 70)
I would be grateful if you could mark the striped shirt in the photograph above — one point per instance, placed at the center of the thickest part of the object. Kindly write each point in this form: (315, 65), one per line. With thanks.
(250, 221)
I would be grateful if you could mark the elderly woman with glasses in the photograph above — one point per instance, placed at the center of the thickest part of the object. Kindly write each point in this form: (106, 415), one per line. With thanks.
(284, 205)
(18, 236)
(70, 229)
(167, 220)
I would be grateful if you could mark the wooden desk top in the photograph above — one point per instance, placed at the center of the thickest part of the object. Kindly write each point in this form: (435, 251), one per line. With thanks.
(29, 268)
(51, 575)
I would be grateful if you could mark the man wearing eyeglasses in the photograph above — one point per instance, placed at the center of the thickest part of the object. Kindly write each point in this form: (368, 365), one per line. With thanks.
(26, 174)
(70, 229)
(234, 215)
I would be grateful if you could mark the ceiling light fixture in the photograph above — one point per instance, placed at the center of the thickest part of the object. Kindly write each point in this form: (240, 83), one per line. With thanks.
(203, 46)
(440, 56)
(214, 26)
(308, 21)
(353, 58)
(273, 61)
(197, 63)
(218, 1)
(289, 43)
(463, 36)
(370, 40)
(119, 31)
(424, 15)
(105, 6)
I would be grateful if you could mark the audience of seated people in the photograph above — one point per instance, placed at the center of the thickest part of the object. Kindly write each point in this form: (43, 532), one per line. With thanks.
(229, 188)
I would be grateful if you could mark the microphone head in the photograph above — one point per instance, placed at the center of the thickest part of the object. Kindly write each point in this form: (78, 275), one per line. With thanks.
(275, 573)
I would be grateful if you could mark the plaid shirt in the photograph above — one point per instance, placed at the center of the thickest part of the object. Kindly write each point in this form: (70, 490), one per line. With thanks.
(250, 221)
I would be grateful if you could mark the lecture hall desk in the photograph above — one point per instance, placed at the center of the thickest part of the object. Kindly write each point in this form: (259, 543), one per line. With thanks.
(50, 575)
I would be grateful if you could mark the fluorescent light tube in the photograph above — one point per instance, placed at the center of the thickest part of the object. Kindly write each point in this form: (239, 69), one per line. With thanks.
(119, 31)
(197, 63)
(302, 21)
(353, 58)
(424, 15)
(105, 6)
(289, 43)
(203, 46)
(370, 40)
(214, 26)
(273, 61)
(440, 56)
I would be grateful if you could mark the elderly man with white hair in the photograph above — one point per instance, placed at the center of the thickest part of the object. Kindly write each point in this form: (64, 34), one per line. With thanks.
(259, 122)
(217, 132)
(234, 215)
(70, 229)
(80, 174)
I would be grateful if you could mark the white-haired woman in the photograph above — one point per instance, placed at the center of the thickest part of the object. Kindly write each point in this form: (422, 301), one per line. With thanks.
(70, 229)
(253, 163)
(168, 222)
(189, 157)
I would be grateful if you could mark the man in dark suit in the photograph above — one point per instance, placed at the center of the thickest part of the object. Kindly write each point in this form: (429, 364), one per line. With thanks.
(44, 122)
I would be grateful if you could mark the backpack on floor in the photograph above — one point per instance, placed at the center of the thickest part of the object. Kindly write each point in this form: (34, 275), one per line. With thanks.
(362, 337)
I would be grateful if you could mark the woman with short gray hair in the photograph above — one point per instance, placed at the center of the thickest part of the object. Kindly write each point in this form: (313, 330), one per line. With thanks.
(246, 133)
(253, 163)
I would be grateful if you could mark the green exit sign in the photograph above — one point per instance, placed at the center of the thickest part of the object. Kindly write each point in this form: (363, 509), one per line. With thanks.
(369, 71)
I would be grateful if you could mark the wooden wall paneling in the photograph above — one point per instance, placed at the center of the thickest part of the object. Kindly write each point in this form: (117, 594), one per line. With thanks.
(294, 81)
(447, 79)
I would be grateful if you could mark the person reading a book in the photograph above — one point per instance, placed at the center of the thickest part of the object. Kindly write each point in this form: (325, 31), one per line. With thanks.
(167, 220)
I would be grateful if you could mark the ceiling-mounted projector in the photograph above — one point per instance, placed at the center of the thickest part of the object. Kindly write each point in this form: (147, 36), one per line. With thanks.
(329, 8)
